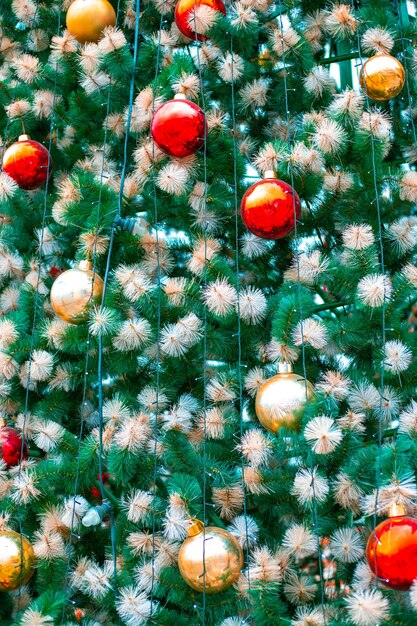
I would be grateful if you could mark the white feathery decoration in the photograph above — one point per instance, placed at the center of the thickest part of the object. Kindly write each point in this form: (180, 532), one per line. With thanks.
(299, 589)
(307, 616)
(363, 576)
(309, 485)
(358, 237)
(173, 179)
(220, 297)
(377, 41)
(337, 181)
(300, 541)
(363, 397)
(334, 384)
(346, 493)
(373, 289)
(340, 22)
(73, 511)
(253, 95)
(8, 187)
(147, 398)
(252, 305)
(133, 606)
(256, 447)
(408, 419)
(397, 356)
(115, 410)
(323, 434)
(367, 607)
(132, 335)
(253, 380)
(377, 123)
(137, 506)
(24, 488)
(318, 81)
(403, 234)
(47, 434)
(310, 332)
(329, 136)
(349, 103)
(245, 529)
(408, 186)
(177, 339)
(32, 617)
(230, 67)
(347, 545)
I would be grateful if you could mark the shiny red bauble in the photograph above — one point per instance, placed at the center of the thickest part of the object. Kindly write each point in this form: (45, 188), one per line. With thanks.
(26, 161)
(11, 446)
(184, 15)
(392, 552)
(96, 491)
(179, 127)
(269, 207)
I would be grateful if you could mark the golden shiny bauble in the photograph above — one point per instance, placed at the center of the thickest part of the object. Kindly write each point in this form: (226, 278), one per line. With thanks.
(86, 19)
(75, 291)
(382, 77)
(281, 397)
(17, 560)
(223, 558)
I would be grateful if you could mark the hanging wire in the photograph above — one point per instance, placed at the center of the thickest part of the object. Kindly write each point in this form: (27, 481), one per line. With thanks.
(383, 308)
(204, 203)
(239, 333)
(105, 284)
(300, 306)
(87, 354)
(158, 320)
(35, 311)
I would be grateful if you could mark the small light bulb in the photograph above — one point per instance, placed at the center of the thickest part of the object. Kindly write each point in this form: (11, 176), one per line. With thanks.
(91, 518)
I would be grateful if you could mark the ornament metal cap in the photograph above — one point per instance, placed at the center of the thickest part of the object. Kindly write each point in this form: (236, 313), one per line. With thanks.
(195, 528)
(397, 510)
(23, 138)
(180, 96)
(85, 265)
(270, 174)
(284, 368)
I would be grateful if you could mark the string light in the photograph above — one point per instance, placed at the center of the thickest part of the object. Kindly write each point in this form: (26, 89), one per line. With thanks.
(383, 308)
(239, 334)
(204, 206)
(159, 303)
(36, 298)
(87, 355)
(300, 306)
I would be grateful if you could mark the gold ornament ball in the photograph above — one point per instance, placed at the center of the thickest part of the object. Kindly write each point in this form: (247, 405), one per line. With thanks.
(223, 558)
(74, 291)
(382, 77)
(17, 560)
(281, 397)
(86, 19)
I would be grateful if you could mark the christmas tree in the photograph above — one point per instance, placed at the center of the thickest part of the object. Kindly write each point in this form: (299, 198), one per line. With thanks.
(207, 296)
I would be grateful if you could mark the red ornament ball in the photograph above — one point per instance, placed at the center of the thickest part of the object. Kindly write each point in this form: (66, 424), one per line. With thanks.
(95, 491)
(184, 15)
(54, 271)
(178, 127)
(11, 446)
(268, 208)
(392, 552)
(26, 161)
